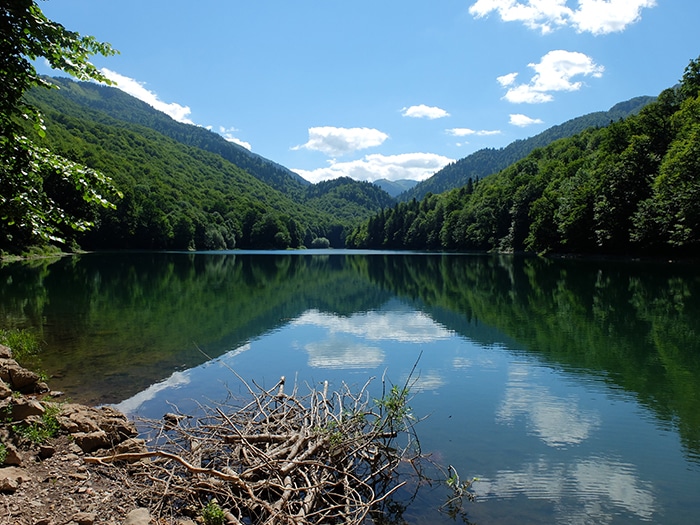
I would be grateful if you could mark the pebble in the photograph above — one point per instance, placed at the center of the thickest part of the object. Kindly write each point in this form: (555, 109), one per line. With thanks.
(84, 518)
(138, 516)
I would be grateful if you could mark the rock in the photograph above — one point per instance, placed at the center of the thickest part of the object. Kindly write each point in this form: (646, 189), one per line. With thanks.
(131, 446)
(11, 478)
(75, 450)
(78, 418)
(23, 408)
(116, 424)
(46, 451)
(91, 441)
(5, 390)
(13, 457)
(17, 377)
(138, 516)
(5, 352)
(84, 518)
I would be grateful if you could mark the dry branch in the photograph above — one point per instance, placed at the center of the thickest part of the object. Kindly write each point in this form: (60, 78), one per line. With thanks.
(281, 458)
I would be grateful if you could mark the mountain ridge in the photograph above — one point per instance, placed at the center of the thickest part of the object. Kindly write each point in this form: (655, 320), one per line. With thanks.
(487, 161)
(123, 106)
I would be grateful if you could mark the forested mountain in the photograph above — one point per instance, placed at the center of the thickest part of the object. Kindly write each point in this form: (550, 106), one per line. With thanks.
(630, 188)
(395, 187)
(489, 160)
(346, 198)
(179, 196)
(121, 106)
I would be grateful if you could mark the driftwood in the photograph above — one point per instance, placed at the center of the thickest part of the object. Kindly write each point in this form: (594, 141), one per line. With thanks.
(281, 458)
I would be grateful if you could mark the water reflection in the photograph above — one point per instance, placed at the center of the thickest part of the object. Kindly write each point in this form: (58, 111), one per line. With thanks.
(342, 353)
(592, 490)
(571, 388)
(404, 326)
(555, 420)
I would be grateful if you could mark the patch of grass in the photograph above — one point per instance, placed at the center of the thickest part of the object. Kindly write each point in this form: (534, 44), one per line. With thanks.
(24, 344)
(3, 453)
(40, 432)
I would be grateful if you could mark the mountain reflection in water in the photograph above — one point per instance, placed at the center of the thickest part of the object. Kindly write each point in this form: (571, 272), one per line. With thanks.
(570, 388)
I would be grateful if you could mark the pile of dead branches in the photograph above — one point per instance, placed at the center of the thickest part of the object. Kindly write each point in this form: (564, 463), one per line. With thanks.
(282, 458)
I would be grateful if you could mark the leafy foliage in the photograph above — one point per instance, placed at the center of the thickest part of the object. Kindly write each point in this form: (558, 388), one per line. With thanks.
(43, 196)
(629, 188)
(123, 107)
(179, 196)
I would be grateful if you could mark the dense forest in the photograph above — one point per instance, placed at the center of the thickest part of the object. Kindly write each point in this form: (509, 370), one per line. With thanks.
(489, 160)
(630, 188)
(184, 187)
(620, 186)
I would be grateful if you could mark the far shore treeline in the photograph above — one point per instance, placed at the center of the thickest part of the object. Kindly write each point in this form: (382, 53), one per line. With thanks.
(86, 166)
(630, 188)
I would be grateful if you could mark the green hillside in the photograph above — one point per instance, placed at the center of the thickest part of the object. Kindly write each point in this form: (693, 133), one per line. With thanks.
(631, 188)
(182, 188)
(121, 106)
(489, 160)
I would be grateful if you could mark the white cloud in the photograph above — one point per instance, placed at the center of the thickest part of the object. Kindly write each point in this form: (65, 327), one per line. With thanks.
(227, 133)
(427, 381)
(460, 132)
(522, 121)
(507, 80)
(413, 166)
(608, 16)
(465, 132)
(341, 141)
(423, 111)
(137, 89)
(593, 16)
(554, 72)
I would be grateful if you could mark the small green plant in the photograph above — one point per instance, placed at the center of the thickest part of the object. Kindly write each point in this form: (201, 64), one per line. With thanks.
(23, 343)
(394, 408)
(212, 514)
(454, 506)
(41, 432)
(3, 453)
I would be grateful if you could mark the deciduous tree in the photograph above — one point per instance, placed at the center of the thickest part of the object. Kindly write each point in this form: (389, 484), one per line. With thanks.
(31, 211)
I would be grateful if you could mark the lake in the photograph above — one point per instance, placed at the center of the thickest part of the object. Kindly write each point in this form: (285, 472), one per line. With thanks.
(569, 388)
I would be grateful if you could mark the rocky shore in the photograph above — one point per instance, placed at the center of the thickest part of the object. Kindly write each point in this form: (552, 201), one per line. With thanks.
(44, 478)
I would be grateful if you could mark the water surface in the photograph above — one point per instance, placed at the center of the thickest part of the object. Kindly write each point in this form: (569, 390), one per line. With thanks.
(571, 389)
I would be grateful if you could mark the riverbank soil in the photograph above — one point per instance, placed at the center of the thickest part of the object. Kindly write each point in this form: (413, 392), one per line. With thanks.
(44, 479)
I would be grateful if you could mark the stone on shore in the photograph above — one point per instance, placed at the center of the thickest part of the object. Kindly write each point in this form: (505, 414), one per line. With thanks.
(138, 516)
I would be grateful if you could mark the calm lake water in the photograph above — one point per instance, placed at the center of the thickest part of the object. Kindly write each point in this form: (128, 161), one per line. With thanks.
(571, 389)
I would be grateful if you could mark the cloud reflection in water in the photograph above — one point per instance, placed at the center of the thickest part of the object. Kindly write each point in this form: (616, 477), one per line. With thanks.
(556, 421)
(592, 490)
(406, 327)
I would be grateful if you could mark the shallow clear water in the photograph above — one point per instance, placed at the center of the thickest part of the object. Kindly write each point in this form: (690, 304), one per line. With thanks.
(570, 389)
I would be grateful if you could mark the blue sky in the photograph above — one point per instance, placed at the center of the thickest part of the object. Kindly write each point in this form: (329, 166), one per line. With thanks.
(385, 89)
